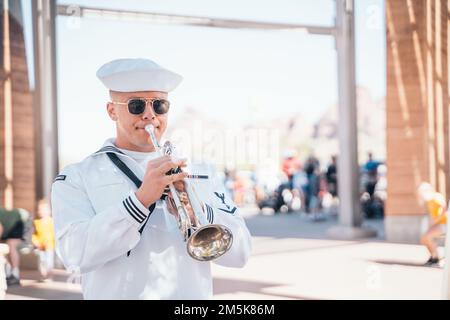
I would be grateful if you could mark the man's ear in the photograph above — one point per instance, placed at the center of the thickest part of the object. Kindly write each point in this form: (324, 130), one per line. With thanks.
(111, 111)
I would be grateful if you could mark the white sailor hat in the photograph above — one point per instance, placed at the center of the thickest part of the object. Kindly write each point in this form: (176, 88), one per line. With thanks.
(132, 75)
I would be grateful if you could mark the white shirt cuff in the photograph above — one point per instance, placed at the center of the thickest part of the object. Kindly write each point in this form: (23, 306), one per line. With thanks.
(135, 209)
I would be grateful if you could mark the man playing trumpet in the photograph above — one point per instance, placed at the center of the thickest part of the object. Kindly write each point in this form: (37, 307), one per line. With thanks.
(112, 225)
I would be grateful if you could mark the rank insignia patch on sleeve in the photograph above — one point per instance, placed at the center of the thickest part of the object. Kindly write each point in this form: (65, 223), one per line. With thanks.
(228, 209)
(60, 177)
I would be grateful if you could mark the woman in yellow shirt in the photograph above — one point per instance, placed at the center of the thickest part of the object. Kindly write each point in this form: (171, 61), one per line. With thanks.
(436, 207)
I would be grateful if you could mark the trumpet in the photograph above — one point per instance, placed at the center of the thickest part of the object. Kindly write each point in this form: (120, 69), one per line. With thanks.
(204, 241)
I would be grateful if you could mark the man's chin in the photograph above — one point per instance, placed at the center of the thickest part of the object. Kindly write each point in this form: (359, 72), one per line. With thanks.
(145, 144)
(142, 138)
(145, 147)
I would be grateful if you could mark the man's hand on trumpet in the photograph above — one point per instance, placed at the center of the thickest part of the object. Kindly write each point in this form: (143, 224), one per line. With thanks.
(156, 180)
(183, 196)
(185, 201)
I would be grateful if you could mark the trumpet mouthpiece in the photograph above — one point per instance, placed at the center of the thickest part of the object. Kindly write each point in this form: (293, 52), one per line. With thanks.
(151, 132)
(149, 128)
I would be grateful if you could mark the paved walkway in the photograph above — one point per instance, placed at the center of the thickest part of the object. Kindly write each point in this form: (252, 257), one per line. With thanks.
(293, 259)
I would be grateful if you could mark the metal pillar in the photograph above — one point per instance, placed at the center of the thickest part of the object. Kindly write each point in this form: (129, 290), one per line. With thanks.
(44, 31)
(348, 131)
(350, 216)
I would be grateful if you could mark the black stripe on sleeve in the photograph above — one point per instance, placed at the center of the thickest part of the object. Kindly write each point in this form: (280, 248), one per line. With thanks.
(210, 214)
(131, 205)
(135, 207)
(132, 212)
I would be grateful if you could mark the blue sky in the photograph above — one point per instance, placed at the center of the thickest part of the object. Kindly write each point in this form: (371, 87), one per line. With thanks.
(230, 75)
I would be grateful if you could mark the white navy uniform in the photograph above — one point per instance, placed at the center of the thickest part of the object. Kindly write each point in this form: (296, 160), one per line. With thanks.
(97, 221)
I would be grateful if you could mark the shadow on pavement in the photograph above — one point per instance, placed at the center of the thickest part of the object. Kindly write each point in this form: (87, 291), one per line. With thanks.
(403, 263)
(32, 288)
(223, 286)
(39, 292)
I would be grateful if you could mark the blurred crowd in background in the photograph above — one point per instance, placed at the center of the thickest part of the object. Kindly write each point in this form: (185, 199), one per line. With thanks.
(307, 186)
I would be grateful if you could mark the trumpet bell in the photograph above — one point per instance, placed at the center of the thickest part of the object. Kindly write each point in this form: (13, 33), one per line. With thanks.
(209, 242)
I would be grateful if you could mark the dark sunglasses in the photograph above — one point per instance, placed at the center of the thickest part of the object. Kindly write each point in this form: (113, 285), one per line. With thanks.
(137, 106)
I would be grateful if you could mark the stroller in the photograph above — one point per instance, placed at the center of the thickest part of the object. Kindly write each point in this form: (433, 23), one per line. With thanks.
(282, 200)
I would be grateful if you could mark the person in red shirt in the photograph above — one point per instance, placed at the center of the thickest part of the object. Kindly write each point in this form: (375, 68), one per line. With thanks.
(291, 164)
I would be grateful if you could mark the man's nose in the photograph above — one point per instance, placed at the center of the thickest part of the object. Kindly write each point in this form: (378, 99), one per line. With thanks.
(149, 114)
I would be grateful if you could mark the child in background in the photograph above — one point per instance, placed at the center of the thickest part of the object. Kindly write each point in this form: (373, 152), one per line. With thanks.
(44, 238)
(436, 206)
